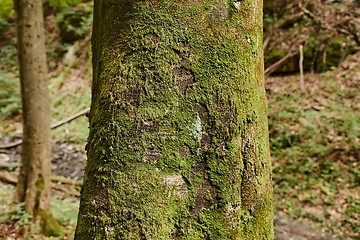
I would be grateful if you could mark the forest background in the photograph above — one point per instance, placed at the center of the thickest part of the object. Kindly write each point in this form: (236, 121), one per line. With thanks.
(314, 132)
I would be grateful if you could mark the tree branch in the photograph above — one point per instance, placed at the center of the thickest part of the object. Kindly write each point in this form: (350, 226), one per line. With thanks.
(55, 125)
(6, 178)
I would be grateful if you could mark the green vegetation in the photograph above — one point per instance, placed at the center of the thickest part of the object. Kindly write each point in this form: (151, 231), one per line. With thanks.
(6, 13)
(315, 144)
(74, 23)
(69, 95)
(21, 218)
(63, 210)
(9, 94)
(63, 3)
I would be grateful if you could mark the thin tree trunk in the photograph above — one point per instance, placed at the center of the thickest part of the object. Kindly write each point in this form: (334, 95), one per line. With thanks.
(178, 145)
(301, 67)
(33, 186)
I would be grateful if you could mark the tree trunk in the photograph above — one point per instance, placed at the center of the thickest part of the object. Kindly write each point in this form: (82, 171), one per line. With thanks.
(178, 145)
(33, 186)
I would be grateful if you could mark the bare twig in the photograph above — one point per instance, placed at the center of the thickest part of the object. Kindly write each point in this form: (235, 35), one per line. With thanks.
(266, 42)
(277, 64)
(56, 125)
(69, 119)
(307, 12)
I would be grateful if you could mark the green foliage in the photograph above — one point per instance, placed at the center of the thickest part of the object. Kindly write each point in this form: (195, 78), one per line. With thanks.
(353, 209)
(338, 5)
(18, 214)
(8, 57)
(74, 23)
(63, 3)
(6, 13)
(67, 99)
(6, 9)
(286, 27)
(10, 102)
(4, 24)
(65, 210)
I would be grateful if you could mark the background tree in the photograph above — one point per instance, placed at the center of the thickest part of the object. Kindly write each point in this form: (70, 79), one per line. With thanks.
(178, 145)
(33, 186)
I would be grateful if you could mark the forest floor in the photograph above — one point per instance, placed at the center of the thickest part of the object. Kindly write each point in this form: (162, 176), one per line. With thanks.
(314, 139)
(315, 147)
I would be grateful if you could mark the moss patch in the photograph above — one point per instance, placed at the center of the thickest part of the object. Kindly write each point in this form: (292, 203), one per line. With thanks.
(49, 225)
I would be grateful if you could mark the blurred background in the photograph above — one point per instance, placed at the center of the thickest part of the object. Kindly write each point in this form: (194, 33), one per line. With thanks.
(312, 69)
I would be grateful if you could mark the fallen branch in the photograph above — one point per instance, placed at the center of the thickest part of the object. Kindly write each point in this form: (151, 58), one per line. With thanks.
(65, 190)
(56, 125)
(65, 180)
(6, 178)
(277, 64)
(10, 145)
(69, 119)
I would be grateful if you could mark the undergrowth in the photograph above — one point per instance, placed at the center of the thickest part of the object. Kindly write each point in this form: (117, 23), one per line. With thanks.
(315, 146)
(63, 210)
(9, 94)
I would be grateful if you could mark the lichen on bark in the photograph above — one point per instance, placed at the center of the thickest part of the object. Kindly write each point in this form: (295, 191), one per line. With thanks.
(178, 132)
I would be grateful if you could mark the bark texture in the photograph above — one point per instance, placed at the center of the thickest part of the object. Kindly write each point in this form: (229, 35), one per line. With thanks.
(33, 186)
(178, 145)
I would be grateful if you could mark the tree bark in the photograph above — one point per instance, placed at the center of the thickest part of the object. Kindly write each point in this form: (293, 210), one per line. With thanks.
(178, 145)
(33, 186)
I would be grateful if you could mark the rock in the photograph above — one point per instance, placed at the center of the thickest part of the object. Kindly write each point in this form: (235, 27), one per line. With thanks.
(293, 230)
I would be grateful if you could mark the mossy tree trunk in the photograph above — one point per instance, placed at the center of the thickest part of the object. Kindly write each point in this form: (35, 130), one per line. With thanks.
(33, 186)
(178, 145)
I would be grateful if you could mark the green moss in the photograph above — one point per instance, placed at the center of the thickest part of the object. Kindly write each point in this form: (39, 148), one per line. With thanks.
(40, 183)
(49, 225)
(176, 105)
(255, 229)
(213, 223)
